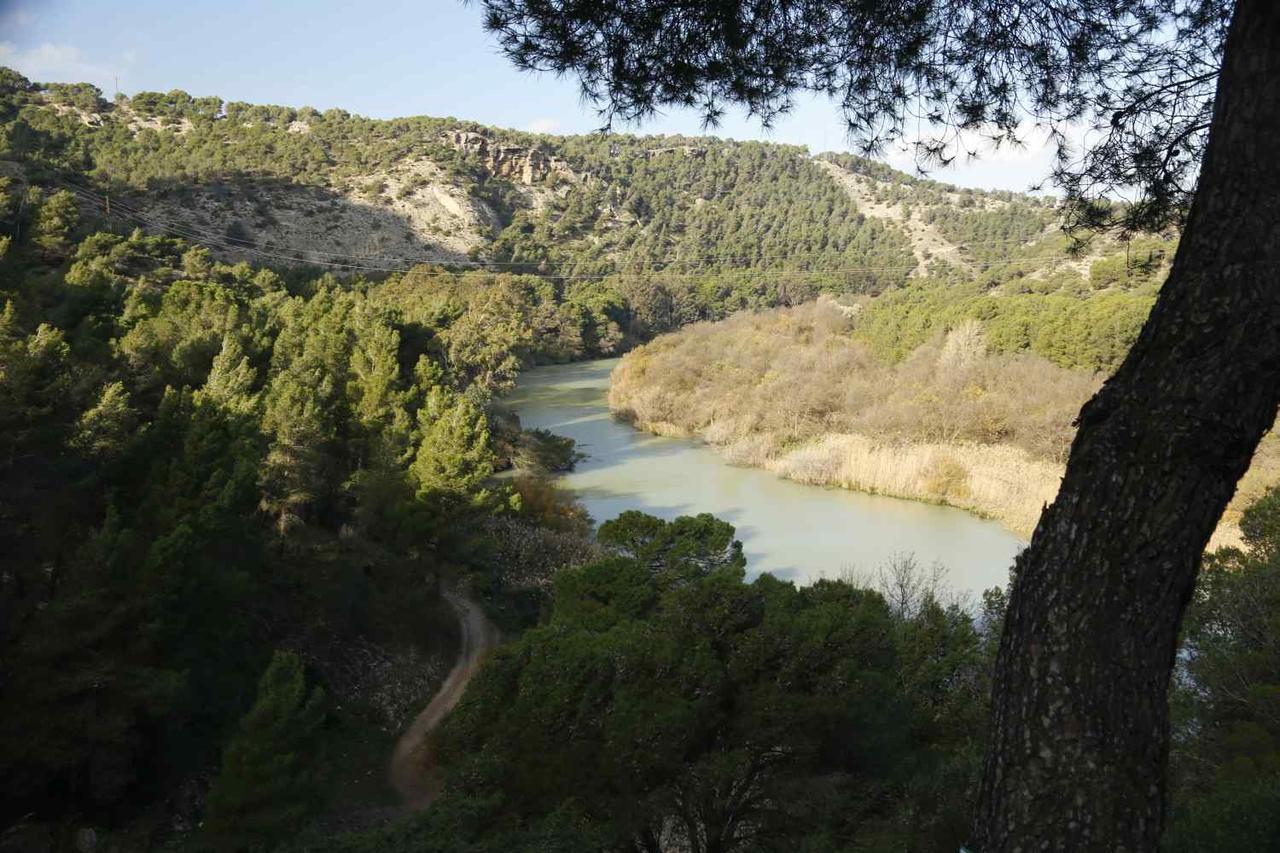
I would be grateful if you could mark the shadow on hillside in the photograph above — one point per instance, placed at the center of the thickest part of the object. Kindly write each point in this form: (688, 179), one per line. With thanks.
(279, 223)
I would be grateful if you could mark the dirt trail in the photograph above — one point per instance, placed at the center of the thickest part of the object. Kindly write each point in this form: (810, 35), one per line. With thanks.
(413, 772)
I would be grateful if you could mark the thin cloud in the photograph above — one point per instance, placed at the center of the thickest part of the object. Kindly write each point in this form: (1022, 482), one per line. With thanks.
(13, 18)
(1008, 167)
(544, 125)
(57, 63)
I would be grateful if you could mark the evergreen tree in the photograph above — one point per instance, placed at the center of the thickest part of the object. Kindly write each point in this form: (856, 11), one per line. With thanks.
(1226, 756)
(55, 219)
(679, 707)
(486, 342)
(265, 788)
(454, 458)
(104, 429)
(232, 377)
(35, 384)
(373, 387)
(82, 702)
(298, 472)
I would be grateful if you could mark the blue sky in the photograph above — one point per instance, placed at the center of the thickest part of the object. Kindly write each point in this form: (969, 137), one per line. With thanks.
(382, 59)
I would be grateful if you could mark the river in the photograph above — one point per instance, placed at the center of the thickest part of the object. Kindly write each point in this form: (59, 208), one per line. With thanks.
(795, 531)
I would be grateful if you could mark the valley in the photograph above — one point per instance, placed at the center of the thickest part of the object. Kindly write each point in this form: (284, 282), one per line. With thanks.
(420, 484)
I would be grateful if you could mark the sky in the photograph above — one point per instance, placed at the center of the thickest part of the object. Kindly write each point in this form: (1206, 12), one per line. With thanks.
(381, 59)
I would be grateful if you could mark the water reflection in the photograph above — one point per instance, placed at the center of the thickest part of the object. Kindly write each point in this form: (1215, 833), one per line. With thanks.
(795, 531)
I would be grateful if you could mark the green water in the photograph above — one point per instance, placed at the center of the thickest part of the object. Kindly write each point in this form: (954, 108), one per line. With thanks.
(795, 531)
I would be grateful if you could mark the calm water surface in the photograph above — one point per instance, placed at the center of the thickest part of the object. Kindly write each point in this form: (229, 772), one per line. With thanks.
(795, 531)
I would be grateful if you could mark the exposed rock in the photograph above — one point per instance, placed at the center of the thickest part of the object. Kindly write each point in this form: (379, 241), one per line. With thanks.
(686, 150)
(527, 166)
(927, 242)
(828, 301)
(392, 680)
(87, 118)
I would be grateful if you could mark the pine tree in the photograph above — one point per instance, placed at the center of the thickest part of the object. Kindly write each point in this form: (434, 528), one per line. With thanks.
(55, 219)
(373, 387)
(35, 387)
(265, 789)
(454, 457)
(232, 377)
(104, 429)
(297, 475)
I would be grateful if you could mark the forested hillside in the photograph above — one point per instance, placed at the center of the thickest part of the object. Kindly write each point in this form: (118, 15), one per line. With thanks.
(655, 232)
(231, 499)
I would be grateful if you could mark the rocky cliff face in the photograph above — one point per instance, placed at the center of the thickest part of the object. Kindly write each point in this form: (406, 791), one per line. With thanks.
(527, 166)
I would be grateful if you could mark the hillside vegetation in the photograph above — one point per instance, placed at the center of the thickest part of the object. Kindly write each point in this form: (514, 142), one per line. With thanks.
(965, 418)
(655, 232)
(231, 501)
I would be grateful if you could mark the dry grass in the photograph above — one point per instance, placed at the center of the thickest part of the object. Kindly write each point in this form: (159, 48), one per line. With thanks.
(791, 392)
(799, 374)
(1262, 475)
(1003, 483)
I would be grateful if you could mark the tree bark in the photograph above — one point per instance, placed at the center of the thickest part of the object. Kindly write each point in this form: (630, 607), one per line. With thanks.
(1080, 726)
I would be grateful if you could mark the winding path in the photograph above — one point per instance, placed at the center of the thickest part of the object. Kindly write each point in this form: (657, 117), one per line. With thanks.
(413, 772)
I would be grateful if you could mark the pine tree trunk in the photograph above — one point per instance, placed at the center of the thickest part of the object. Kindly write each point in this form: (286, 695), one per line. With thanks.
(1080, 726)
